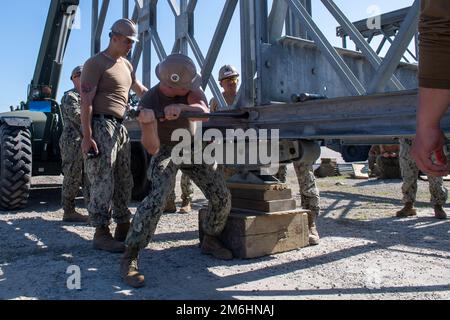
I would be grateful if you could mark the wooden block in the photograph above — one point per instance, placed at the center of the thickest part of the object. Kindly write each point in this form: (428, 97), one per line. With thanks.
(256, 186)
(360, 171)
(262, 195)
(264, 206)
(253, 236)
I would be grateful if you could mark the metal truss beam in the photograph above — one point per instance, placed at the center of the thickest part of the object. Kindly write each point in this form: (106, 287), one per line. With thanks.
(395, 53)
(201, 61)
(277, 20)
(218, 38)
(371, 117)
(99, 25)
(353, 116)
(354, 86)
(359, 40)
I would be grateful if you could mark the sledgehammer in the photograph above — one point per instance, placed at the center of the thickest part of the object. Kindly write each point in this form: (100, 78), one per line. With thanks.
(133, 114)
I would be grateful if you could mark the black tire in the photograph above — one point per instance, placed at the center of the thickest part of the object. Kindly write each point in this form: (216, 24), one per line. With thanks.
(15, 167)
(139, 164)
(355, 153)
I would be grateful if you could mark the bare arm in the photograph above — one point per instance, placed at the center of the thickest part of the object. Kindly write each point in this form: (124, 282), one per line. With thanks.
(149, 127)
(139, 88)
(88, 92)
(430, 139)
(196, 103)
(213, 105)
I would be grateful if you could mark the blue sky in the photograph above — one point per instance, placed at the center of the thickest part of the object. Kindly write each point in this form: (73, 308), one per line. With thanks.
(22, 24)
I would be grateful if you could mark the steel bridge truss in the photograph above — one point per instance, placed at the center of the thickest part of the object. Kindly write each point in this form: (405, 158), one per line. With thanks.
(360, 84)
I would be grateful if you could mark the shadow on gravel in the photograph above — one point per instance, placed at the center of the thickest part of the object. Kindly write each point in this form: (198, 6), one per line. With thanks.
(375, 182)
(196, 204)
(347, 291)
(35, 255)
(420, 232)
(353, 201)
(49, 199)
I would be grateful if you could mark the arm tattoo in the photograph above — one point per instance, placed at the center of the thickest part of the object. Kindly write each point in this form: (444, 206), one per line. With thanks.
(86, 88)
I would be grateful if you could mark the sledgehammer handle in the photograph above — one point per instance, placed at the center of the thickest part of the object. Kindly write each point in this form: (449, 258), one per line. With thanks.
(133, 114)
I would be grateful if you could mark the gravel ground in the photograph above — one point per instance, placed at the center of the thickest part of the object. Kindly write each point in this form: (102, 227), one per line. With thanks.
(365, 253)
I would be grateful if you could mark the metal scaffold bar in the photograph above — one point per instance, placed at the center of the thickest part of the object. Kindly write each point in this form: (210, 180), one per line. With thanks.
(353, 84)
(274, 66)
(396, 51)
(359, 40)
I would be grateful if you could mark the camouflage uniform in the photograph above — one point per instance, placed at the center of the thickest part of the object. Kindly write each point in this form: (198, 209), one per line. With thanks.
(282, 173)
(161, 174)
(187, 190)
(71, 155)
(410, 173)
(110, 173)
(307, 184)
(308, 190)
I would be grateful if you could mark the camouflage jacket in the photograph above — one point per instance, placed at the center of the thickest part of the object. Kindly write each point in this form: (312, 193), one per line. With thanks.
(71, 112)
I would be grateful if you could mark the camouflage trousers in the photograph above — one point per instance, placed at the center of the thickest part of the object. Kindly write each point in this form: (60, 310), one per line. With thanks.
(282, 173)
(308, 189)
(109, 174)
(307, 184)
(162, 174)
(187, 190)
(388, 168)
(410, 173)
(73, 170)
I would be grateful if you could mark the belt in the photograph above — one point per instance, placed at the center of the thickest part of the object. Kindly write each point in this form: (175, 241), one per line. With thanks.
(107, 116)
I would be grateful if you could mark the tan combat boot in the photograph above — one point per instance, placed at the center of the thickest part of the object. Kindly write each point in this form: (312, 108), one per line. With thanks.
(185, 207)
(211, 245)
(170, 207)
(129, 268)
(121, 231)
(407, 211)
(313, 233)
(439, 212)
(70, 215)
(103, 240)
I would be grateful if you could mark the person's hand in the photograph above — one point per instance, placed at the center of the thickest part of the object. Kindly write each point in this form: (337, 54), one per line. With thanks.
(172, 112)
(146, 116)
(89, 144)
(427, 143)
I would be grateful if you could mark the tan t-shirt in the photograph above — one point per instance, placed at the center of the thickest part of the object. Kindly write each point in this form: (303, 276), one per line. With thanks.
(155, 100)
(113, 80)
(214, 104)
(434, 28)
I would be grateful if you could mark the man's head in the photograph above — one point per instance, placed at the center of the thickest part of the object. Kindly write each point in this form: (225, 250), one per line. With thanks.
(229, 78)
(178, 73)
(75, 76)
(123, 35)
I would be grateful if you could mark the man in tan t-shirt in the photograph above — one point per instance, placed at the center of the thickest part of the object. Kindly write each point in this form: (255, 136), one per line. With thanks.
(434, 87)
(106, 81)
(229, 80)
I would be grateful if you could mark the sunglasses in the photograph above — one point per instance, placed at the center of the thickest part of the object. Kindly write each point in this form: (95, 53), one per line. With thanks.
(232, 79)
